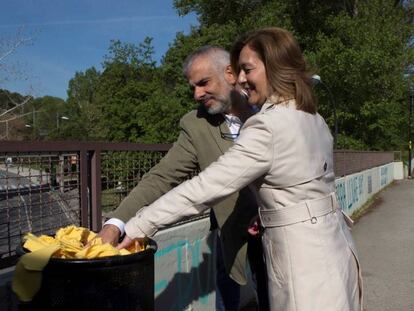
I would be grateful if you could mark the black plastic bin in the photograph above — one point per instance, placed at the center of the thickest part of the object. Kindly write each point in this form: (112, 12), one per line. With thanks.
(108, 283)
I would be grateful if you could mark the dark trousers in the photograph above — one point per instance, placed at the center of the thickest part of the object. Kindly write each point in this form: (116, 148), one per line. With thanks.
(259, 273)
(228, 291)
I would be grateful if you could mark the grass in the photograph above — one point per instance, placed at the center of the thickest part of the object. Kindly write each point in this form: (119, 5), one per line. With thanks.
(372, 202)
(110, 200)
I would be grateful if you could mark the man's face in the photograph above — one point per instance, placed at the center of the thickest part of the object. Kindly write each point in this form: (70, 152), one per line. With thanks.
(212, 88)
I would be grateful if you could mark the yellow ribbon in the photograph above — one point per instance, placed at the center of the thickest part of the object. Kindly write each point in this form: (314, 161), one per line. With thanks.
(27, 277)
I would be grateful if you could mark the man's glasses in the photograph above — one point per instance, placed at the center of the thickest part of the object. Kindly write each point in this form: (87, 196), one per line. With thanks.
(225, 134)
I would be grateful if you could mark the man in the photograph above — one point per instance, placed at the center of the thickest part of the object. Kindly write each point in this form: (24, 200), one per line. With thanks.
(206, 133)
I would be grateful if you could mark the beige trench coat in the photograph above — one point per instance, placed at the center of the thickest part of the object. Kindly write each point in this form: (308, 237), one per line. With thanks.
(286, 157)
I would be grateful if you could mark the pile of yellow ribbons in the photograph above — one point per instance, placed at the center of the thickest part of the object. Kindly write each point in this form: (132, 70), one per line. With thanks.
(71, 243)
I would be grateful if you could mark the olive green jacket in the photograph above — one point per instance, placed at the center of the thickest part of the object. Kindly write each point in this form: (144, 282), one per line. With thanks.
(199, 144)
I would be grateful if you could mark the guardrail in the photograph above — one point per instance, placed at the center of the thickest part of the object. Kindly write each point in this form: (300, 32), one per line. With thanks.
(47, 185)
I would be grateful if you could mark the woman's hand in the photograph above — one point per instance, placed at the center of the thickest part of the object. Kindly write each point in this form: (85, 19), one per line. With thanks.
(127, 241)
(254, 226)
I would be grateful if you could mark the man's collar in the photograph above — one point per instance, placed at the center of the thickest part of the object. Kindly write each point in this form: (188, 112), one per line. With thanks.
(230, 119)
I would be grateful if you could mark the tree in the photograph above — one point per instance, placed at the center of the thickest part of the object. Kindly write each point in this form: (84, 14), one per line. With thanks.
(125, 84)
(211, 12)
(8, 45)
(10, 107)
(361, 50)
(363, 58)
(44, 118)
(11, 114)
(83, 111)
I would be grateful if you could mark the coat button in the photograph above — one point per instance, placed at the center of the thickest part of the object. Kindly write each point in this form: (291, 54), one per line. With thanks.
(325, 166)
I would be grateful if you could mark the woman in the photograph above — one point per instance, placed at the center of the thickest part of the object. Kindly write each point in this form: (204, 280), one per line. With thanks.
(284, 152)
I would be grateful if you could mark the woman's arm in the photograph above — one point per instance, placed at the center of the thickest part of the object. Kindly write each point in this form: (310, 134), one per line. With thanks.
(250, 158)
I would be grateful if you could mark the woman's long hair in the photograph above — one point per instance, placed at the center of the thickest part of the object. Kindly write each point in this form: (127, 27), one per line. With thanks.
(286, 68)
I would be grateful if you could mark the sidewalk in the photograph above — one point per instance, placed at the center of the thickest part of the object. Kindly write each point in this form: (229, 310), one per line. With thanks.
(385, 243)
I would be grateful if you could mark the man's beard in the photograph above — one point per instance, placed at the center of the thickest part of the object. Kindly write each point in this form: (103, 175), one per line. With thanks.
(220, 105)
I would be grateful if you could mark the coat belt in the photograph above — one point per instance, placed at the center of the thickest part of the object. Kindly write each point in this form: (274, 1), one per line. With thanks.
(304, 211)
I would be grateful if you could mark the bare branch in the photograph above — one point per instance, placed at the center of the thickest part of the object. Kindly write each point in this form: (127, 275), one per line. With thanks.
(13, 47)
(10, 45)
(25, 101)
(19, 116)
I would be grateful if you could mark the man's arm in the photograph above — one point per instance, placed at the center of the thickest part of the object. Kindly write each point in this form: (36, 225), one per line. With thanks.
(175, 167)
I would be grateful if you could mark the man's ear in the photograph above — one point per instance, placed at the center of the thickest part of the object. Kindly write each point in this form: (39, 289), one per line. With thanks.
(229, 75)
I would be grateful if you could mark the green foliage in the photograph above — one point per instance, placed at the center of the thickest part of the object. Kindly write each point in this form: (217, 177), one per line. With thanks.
(362, 58)
(125, 84)
(107, 105)
(217, 11)
(44, 116)
(361, 49)
(9, 100)
(129, 53)
(83, 113)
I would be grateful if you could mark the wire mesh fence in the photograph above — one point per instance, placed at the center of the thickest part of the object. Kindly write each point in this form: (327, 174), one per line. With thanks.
(121, 171)
(46, 186)
(38, 193)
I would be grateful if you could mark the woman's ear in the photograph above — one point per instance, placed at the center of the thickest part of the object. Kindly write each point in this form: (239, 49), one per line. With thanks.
(229, 75)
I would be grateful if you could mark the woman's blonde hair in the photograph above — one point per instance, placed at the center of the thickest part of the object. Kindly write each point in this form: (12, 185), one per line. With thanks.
(286, 68)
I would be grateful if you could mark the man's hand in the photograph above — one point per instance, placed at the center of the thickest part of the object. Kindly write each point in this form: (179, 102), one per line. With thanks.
(110, 234)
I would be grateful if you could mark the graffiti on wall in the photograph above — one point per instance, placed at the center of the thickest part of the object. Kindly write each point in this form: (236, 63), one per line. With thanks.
(369, 180)
(384, 175)
(349, 191)
(193, 279)
(354, 189)
(341, 193)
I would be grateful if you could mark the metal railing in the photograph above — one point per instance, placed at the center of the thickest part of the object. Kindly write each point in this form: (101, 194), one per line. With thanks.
(47, 185)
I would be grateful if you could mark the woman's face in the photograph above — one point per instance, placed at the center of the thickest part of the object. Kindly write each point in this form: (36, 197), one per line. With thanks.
(252, 76)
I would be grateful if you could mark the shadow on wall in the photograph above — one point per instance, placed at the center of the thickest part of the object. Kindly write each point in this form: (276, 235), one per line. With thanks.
(186, 288)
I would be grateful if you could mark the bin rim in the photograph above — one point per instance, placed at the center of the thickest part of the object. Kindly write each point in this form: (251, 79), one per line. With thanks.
(96, 262)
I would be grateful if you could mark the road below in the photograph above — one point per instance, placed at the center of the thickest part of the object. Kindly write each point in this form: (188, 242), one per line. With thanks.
(26, 206)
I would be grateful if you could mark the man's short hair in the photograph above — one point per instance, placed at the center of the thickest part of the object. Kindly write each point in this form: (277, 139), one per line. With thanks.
(220, 57)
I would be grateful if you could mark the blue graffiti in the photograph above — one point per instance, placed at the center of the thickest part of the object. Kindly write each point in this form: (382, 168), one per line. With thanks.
(384, 175)
(369, 180)
(160, 286)
(354, 189)
(185, 291)
(340, 194)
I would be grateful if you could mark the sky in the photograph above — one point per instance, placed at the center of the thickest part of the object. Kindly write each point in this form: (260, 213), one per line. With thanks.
(67, 36)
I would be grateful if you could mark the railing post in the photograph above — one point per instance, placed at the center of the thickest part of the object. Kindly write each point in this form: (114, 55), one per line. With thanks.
(60, 175)
(84, 202)
(96, 211)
